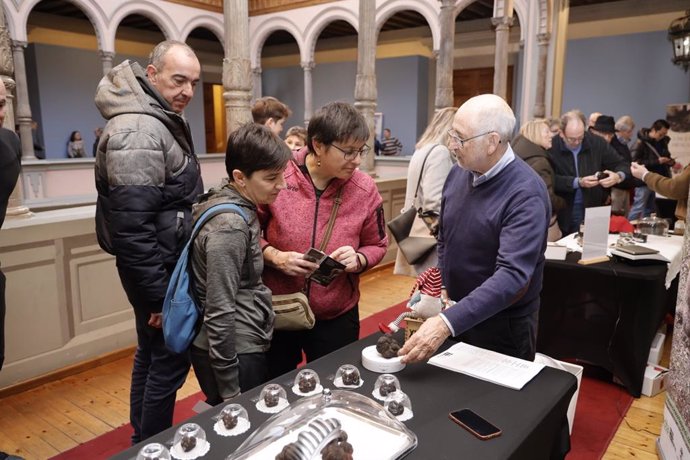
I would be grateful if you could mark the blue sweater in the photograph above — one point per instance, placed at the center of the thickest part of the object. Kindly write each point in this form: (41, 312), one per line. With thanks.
(491, 244)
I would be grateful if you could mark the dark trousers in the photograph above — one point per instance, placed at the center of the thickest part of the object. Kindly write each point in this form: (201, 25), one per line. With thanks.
(511, 336)
(156, 376)
(326, 336)
(253, 372)
(3, 307)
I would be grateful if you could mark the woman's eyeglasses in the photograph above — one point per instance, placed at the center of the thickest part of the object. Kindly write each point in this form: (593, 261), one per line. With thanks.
(352, 154)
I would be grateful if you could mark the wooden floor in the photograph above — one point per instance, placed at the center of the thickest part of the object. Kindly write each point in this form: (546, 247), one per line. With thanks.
(42, 422)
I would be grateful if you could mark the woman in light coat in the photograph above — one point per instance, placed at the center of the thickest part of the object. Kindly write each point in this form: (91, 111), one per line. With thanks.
(433, 145)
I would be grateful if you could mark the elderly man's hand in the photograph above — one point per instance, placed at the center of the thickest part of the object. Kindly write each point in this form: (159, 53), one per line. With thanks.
(424, 343)
(638, 170)
(612, 179)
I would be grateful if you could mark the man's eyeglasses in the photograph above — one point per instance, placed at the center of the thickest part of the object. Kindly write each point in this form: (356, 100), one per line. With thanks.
(461, 142)
(352, 154)
(574, 140)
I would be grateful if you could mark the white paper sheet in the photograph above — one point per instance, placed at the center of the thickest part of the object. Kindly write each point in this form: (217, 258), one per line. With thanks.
(487, 365)
(595, 238)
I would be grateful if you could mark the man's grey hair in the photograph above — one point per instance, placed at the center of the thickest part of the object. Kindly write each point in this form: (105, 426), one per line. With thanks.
(156, 58)
(494, 114)
(572, 115)
(625, 123)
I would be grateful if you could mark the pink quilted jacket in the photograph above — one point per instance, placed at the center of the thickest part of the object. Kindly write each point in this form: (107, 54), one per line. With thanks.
(297, 220)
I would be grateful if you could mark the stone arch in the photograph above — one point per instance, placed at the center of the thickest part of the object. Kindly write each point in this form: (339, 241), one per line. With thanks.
(265, 29)
(209, 22)
(430, 12)
(328, 15)
(520, 7)
(92, 11)
(152, 11)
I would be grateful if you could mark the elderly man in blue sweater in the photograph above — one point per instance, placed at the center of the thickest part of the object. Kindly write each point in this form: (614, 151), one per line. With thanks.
(494, 218)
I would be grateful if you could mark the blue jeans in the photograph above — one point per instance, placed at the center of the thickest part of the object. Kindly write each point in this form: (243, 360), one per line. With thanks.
(643, 203)
(156, 376)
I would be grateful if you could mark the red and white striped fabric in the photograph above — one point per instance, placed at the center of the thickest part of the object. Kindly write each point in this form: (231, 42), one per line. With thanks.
(429, 282)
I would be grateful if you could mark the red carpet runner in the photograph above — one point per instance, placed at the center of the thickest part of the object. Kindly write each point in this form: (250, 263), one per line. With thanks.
(601, 407)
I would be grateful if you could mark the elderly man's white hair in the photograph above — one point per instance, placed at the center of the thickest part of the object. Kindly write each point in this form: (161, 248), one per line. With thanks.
(488, 112)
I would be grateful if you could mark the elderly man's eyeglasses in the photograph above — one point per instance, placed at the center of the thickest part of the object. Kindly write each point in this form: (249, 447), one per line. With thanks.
(352, 154)
(460, 141)
(574, 140)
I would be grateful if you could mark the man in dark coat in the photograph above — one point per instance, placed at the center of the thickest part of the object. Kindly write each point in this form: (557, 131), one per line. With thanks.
(651, 151)
(605, 127)
(10, 164)
(577, 157)
(147, 177)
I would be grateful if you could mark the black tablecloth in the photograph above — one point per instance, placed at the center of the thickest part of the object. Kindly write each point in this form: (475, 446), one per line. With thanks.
(533, 420)
(605, 314)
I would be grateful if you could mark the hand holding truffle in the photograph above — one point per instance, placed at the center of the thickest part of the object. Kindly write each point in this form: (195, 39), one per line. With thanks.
(424, 343)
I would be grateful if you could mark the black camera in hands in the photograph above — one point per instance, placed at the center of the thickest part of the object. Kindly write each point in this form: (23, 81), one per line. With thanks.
(601, 175)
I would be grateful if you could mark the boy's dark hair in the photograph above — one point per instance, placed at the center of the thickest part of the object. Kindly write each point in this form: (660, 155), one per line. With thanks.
(253, 147)
(660, 124)
(336, 122)
(269, 107)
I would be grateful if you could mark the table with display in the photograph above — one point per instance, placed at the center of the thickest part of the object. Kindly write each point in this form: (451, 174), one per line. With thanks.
(607, 314)
(533, 420)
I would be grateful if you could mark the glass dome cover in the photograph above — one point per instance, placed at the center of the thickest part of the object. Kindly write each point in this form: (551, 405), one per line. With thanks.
(360, 417)
(653, 225)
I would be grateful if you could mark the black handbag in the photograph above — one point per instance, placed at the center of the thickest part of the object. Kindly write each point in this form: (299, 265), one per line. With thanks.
(413, 248)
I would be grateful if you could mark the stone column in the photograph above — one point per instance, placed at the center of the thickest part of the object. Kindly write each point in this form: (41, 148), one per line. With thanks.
(540, 99)
(308, 90)
(502, 25)
(256, 75)
(444, 61)
(23, 108)
(15, 205)
(365, 84)
(107, 60)
(237, 75)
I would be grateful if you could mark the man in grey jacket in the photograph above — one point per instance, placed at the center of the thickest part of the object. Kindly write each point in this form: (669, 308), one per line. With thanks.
(147, 177)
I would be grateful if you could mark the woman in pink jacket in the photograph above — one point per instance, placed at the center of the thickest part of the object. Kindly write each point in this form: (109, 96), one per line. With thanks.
(297, 221)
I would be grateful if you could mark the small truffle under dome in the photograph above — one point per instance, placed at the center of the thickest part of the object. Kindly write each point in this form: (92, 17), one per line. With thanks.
(153, 451)
(189, 442)
(307, 383)
(348, 376)
(385, 385)
(272, 399)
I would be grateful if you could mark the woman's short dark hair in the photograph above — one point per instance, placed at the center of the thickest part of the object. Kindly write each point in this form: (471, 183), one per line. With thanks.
(336, 122)
(253, 147)
(71, 136)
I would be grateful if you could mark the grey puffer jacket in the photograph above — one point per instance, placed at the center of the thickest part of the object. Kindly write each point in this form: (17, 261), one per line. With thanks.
(147, 178)
(227, 264)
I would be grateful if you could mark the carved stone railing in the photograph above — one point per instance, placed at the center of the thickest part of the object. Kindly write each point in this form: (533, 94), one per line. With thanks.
(256, 7)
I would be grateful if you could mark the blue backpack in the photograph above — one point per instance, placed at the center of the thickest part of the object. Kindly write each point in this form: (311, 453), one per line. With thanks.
(181, 309)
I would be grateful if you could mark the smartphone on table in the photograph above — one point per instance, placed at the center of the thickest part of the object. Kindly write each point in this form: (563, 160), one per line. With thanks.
(475, 424)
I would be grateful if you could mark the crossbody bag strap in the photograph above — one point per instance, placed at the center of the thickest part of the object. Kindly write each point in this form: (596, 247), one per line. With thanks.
(331, 219)
(421, 173)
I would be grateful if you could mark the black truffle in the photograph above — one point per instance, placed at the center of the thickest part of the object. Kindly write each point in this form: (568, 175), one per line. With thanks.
(229, 420)
(396, 408)
(188, 443)
(307, 383)
(387, 346)
(338, 449)
(350, 376)
(271, 399)
(386, 388)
